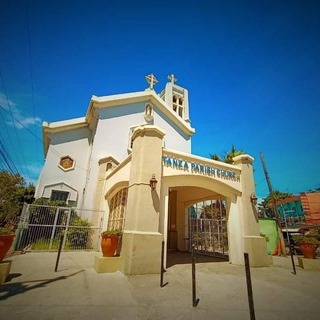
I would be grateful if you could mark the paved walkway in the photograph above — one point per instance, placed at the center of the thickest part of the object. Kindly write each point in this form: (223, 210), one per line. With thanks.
(76, 291)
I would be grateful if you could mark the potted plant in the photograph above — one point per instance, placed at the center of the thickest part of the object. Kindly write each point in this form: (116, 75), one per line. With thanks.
(7, 234)
(308, 242)
(110, 242)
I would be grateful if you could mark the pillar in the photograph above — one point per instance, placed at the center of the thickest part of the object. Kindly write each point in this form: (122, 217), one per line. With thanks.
(141, 246)
(253, 243)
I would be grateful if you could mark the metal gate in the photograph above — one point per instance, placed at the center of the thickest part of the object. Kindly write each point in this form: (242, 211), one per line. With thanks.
(207, 228)
(41, 228)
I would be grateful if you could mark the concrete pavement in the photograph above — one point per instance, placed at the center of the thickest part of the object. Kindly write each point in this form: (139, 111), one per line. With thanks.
(34, 291)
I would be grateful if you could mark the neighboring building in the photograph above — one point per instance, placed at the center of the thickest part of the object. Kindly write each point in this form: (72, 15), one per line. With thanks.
(311, 206)
(290, 209)
(108, 160)
(302, 208)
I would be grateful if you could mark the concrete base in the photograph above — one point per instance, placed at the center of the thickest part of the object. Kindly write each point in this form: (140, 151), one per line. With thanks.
(4, 270)
(108, 264)
(269, 260)
(142, 252)
(309, 264)
(256, 247)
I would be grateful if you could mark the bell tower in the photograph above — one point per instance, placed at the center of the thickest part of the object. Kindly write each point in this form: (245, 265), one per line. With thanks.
(176, 98)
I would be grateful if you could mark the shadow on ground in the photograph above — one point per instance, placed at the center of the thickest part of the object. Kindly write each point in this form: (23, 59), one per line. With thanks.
(8, 290)
(178, 257)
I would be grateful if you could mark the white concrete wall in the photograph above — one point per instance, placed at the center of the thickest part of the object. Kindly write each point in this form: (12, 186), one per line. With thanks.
(113, 130)
(112, 138)
(174, 139)
(75, 144)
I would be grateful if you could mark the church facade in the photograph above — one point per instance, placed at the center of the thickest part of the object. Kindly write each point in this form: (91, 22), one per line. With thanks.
(130, 156)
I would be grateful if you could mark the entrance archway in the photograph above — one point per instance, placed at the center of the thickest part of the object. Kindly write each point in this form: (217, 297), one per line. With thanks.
(197, 217)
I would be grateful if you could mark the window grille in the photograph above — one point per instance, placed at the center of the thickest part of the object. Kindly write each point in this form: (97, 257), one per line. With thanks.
(117, 209)
(177, 105)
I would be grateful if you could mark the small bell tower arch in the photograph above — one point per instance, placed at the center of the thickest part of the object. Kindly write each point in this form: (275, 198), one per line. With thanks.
(176, 98)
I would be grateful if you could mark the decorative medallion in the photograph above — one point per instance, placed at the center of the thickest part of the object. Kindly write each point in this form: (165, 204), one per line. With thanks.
(66, 163)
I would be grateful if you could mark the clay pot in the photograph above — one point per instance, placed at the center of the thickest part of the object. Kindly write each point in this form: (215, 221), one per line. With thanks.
(109, 245)
(6, 241)
(308, 250)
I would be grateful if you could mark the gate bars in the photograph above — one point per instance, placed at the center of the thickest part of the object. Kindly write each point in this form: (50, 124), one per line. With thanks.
(40, 228)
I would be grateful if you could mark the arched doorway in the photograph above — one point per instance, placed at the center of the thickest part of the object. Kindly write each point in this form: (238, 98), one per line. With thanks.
(197, 218)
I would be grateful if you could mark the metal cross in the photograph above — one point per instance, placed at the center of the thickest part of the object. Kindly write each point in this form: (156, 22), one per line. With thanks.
(151, 79)
(172, 78)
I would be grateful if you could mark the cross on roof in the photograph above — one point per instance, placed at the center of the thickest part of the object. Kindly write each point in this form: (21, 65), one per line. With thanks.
(151, 79)
(172, 78)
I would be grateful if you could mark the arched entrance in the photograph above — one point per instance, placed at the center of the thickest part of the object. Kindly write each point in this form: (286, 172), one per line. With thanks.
(196, 216)
(162, 213)
(201, 180)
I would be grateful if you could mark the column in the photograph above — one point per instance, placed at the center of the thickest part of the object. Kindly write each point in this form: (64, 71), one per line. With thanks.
(141, 247)
(253, 243)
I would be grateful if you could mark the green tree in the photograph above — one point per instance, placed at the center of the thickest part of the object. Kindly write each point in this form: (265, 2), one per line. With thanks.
(267, 203)
(228, 157)
(277, 195)
(231, 154)
(13, 193)
(215, 157)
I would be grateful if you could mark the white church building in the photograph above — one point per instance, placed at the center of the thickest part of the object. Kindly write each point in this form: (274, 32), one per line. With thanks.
(130, 157)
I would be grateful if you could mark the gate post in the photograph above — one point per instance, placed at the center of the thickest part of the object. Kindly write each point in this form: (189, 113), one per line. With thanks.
(141, 245)
(248, 229)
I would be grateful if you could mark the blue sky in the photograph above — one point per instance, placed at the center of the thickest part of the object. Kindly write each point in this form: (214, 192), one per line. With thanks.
(252, 69)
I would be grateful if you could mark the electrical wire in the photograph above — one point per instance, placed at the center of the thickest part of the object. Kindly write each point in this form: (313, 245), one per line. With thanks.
(23, 167)
(10, 166)
(32, 80)
(53, 150)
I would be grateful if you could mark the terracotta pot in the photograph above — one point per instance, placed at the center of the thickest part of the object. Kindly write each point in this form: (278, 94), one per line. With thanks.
(6, 241)
(109, 245)
(308, 250)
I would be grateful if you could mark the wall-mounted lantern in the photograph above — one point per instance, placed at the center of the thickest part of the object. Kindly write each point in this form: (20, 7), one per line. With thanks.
(253, 199)
(153, 182)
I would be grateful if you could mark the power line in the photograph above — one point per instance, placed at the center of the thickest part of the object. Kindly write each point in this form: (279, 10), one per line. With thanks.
(21, 124)
(54, 151)
(15, 129)
(31, 76)
(7, 160)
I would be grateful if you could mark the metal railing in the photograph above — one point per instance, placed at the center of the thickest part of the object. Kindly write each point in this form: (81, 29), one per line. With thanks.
(41, 227)
(208, 236)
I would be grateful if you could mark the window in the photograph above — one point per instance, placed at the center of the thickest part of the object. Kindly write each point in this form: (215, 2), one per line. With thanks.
(59, 195)
(177, 105)
(117, 209)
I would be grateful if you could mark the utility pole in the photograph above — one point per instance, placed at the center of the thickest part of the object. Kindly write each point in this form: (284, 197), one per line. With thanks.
(274, 204)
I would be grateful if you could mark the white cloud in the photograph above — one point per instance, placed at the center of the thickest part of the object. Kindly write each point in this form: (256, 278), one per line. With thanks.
(4, 102)
(27, 122)
(17, 118)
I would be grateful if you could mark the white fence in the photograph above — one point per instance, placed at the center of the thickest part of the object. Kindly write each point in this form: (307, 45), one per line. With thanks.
(41, 228)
